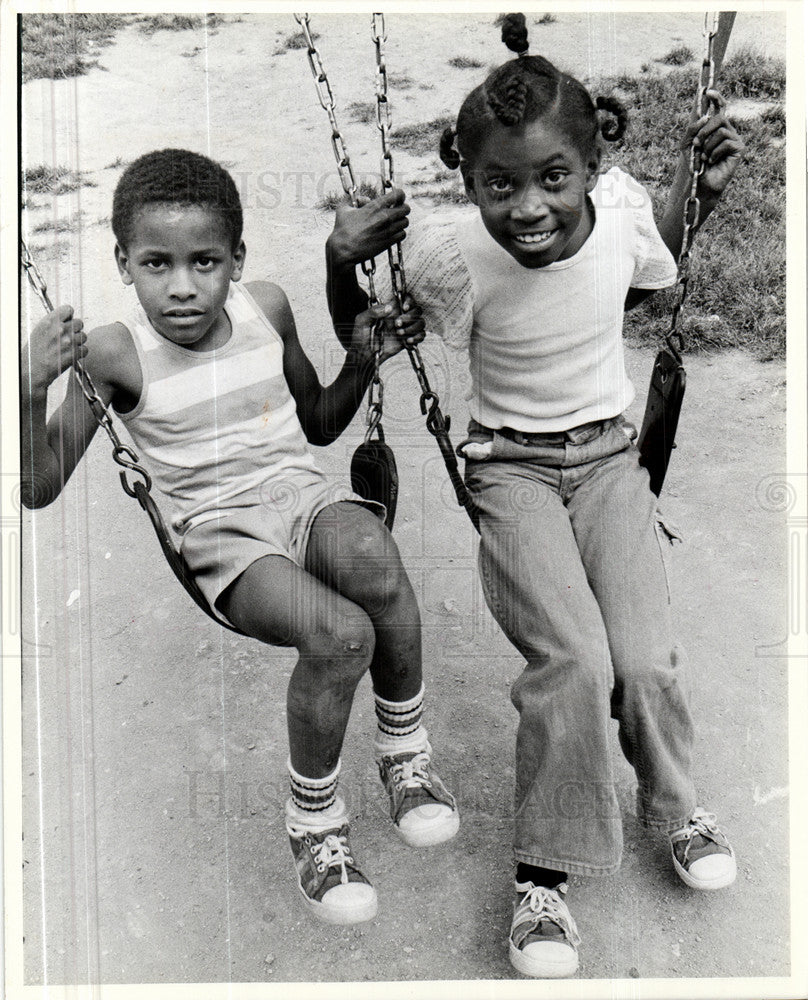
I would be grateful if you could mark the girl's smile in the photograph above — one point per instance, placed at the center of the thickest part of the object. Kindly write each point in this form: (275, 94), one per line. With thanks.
(180, 260)
(531, 185)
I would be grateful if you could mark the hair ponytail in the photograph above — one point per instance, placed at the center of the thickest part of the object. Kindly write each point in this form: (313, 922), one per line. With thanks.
(448, 154)
(514, 33)
(612, 129)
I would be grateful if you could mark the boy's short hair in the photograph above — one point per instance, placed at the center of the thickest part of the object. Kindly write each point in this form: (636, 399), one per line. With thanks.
(180, 177)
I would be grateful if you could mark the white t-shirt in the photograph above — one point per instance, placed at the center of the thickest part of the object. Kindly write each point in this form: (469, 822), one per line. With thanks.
(545, 344)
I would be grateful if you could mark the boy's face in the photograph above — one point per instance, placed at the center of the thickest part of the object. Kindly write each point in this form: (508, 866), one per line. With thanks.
(531, 184)
(181, 263)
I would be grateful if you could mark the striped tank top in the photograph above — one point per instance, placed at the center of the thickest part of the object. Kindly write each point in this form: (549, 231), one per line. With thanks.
(215, 426)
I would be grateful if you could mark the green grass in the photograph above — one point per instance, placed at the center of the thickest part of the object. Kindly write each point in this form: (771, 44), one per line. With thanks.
(362, 111)
(678, 57)
(422, 138)
(150, 23)
(736, 294)
(465, 62)
(42, 179)
(332, 200)
(295, 41)
(56, 46)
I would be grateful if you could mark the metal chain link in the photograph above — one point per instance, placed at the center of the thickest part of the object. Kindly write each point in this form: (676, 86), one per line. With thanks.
(436, 423)
(692, 207)
(121, 452)
(344, 168)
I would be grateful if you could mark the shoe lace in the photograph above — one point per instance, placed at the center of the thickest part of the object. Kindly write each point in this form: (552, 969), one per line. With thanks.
(702, 824)
(541, 903)
(412, 773)
(333, 851)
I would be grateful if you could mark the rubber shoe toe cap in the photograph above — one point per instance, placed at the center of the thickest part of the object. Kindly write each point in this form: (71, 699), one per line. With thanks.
(545, 959)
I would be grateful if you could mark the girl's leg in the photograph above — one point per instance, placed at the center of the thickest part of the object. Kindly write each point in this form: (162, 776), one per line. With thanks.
(279, 603)
(567, 817)
(622, 545)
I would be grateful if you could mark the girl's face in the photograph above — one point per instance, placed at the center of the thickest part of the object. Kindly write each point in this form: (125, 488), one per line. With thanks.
(531, 184)
(179, 259)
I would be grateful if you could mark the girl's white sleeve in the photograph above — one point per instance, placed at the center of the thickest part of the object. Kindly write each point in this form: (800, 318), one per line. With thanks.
(437, 278)
(654, 266)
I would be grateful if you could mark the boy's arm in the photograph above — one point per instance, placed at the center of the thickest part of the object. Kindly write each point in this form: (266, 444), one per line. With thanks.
(723, 150)
(325, 411)
(359, 234)
(51, 449)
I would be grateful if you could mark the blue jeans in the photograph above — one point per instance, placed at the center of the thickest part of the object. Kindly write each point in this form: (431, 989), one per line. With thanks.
(572, 560)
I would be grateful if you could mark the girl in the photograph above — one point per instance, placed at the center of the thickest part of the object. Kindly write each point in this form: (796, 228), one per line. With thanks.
(572, 549)
(217, 393)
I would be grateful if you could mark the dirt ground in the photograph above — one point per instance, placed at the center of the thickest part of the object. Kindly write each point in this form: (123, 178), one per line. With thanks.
(154, 742)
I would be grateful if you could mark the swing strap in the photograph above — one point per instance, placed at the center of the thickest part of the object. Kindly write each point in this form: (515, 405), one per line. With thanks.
(123, 455)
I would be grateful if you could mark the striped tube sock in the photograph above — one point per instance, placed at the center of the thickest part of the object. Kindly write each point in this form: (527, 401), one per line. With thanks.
(400, 728)
(314, 801)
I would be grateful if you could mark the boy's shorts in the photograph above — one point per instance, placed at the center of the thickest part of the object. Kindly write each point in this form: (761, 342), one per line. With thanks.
(220, 549)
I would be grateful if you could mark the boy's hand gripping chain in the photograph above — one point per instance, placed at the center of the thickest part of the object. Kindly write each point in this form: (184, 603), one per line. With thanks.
(123, 454)
(667, 388)
(436, 423)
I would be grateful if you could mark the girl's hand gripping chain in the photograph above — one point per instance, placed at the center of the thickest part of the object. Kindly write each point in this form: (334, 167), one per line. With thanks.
(721, 148)
(56, 342)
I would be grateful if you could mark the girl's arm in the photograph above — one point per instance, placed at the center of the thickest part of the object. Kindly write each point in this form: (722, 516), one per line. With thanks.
(325, 411)
(51, 449)
(723, 149)
(359, 234)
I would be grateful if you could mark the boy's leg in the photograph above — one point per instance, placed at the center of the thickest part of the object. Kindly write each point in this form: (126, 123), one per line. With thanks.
(276, 601)
(352, 551)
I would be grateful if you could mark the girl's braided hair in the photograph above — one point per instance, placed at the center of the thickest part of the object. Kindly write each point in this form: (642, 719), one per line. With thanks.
(523, 90)
(175, 176)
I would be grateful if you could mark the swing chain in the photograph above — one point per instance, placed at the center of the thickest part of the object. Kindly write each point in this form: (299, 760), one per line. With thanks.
(344, 167)
(376, 388)
(692, 207)
(121, 453)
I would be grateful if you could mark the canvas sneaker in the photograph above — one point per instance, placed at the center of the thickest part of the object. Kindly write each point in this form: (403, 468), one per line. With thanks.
(333, 886)
(423, 811)
(702, 855)
(544, 939)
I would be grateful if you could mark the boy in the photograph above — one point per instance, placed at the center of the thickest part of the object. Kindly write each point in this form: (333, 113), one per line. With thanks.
(212, 383)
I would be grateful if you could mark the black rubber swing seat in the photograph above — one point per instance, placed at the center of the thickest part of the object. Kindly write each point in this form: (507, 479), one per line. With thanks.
(374, 476)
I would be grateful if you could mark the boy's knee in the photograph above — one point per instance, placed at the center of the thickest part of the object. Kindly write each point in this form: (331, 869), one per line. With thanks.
(345, 648)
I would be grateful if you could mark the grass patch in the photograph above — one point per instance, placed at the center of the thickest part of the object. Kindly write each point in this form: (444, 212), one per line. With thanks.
(362, 111)
(295, 41)
(333, 199)
(465, 62)
(58, 226)
(547, 19)
(422, 138)
(43, 179)
(57, 46)
(401, 81)
(748, 73)
(736, 294)
(679, 56)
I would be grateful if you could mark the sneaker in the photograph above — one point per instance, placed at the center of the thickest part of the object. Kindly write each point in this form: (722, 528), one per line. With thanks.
(423, 811)
(702, 855)
(544, 939)
(334, 888)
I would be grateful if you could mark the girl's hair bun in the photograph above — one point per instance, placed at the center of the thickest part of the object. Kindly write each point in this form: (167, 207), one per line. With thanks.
(514, 33)
(448, 153)
(614, 128)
